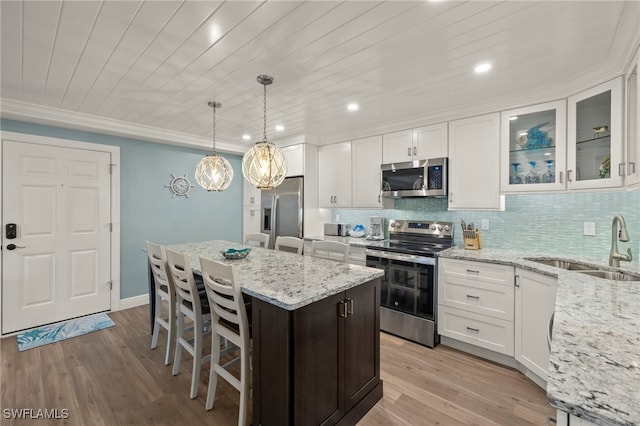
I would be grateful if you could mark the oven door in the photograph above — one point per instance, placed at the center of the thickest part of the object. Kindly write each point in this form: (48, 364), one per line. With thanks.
(408, 284)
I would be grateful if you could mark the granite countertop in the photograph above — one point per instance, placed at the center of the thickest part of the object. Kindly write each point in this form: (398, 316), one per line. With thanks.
(284, 279)
(353, 241)
(594, 368)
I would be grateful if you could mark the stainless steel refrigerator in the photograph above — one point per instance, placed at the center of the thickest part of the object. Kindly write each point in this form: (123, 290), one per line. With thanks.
(282, 210)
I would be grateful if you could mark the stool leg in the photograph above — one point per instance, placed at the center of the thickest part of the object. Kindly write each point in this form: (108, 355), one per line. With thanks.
(171, 338)
(156, 326)
(197, 358)
(179, 335)
(213, 374)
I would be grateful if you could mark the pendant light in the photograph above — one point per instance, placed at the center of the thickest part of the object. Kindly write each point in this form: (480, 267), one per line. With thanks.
(213, 172)
(264, 165)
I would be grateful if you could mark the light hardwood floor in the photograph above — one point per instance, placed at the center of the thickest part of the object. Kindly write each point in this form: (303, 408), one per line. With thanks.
(111, 377)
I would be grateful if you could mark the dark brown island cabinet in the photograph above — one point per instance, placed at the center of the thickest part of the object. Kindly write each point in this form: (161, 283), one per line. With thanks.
(319, 364)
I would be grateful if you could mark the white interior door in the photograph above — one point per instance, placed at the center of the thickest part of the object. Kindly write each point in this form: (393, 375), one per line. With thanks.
(59, 199)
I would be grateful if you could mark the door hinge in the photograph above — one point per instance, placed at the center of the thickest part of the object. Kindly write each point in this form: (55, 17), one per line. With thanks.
(110, 285)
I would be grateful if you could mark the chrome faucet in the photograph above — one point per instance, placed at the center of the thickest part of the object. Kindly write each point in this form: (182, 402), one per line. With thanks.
(622, 235)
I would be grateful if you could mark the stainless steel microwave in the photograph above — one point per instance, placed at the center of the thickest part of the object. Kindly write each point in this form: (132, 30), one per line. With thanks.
(419, 178)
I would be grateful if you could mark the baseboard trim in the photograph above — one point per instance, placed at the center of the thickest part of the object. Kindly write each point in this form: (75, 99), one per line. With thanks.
(132, 302)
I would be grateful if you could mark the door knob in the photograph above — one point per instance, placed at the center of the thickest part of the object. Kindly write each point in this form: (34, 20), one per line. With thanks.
(13, 246)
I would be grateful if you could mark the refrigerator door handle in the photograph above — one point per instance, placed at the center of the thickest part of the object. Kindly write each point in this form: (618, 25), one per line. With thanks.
(274, 221)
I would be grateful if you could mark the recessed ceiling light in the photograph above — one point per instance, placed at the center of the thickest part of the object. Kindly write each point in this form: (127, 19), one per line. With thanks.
(514, 117)
(482, 68)
(279, 127)
(353, 106)
(246, 137)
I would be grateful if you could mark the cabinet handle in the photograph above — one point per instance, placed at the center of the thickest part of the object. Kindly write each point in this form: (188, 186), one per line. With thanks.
(342, 309)
(551, 419)
(409, 151)
(516, 280)
(621, 169)
(477, 330)
(470, 296)
(569, 175)
(252, 213)
(451, 197)
(378, 198)
(415, 150)
(632, 167)
(560, 180)
(473, 271)
(349, 305)
(335, 199)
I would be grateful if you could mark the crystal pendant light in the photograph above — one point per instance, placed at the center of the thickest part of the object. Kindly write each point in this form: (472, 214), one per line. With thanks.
(213, 172)
(264, 165)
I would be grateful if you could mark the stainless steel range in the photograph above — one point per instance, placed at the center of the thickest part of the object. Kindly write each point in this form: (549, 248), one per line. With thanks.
(408, 296)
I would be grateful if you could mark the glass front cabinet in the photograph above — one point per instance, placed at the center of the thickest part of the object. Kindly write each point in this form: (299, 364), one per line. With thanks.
(594, 134)
(632, 150)
(534, 148)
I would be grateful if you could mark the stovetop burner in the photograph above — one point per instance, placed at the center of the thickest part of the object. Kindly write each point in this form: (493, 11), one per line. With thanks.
(422, 238)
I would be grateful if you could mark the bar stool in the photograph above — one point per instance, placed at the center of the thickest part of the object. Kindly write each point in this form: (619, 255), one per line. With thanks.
(291, 244)
(190, 304)
(229, 321)
(165, 291)
(332, 250)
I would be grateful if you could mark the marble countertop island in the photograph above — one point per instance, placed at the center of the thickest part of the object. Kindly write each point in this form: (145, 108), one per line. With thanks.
(594, 368)
(284, 279)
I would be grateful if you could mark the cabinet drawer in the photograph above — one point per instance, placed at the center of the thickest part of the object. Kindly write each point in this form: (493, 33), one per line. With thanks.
(480, 330)
(495, 300)
(477, 271)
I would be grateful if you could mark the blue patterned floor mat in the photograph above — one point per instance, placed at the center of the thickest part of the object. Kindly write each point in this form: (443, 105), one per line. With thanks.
(62, 330)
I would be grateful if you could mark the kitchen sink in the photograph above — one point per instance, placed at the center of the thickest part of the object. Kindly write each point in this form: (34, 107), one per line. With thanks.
(613, 275)
(562, 264)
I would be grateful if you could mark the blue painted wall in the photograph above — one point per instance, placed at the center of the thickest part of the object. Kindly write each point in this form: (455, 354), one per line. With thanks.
(147, 211)
(535, 223)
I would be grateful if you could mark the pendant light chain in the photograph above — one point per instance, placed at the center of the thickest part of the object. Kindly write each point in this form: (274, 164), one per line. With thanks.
(264, 110)
(214, 128)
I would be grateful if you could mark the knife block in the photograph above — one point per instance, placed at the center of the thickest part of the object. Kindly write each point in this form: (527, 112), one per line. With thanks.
(472, 240)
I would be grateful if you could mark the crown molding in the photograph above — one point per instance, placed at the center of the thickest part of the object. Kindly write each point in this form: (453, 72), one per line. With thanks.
(40, 114)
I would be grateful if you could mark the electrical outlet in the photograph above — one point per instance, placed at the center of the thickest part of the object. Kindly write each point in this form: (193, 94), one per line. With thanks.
(589, 228)
(337, 218)
(484, 223)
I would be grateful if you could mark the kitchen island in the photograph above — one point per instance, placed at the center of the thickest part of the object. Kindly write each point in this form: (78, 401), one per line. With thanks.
(594, 367)
(316, 344)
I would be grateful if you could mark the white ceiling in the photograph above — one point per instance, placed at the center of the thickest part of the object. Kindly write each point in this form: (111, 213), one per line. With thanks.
(147, 69)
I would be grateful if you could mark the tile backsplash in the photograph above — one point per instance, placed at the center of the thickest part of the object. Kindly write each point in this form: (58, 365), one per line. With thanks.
(535, 223)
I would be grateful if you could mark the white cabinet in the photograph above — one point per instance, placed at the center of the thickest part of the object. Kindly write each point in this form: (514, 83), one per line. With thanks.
(250, 195)
(474, 164)
(415, 144)
(295, 159)
(533, 148)
(430, 141)
(250, 220)
(632, 135)
(397, 146)
(535, 298)
(565, 419)
(366, 157)
(475, 303)
(594, 134)
(334, 175)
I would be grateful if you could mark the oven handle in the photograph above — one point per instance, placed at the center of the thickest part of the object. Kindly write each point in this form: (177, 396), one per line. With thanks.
(401, 257)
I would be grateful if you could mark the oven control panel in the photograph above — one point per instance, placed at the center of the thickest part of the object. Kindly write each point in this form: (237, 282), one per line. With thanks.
(434, 228)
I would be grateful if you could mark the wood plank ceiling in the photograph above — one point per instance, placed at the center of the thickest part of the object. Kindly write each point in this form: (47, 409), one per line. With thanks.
(148, 68)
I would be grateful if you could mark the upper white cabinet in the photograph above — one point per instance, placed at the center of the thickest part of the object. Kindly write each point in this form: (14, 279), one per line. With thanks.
(334, 175)
(533, 148)
(594, 147)
(415, 144)
(366, 157)
(632, 145)
(295, 159)
(474, 163)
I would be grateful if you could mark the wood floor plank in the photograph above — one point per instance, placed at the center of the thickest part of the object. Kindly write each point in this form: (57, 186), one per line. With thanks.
(112, 377)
